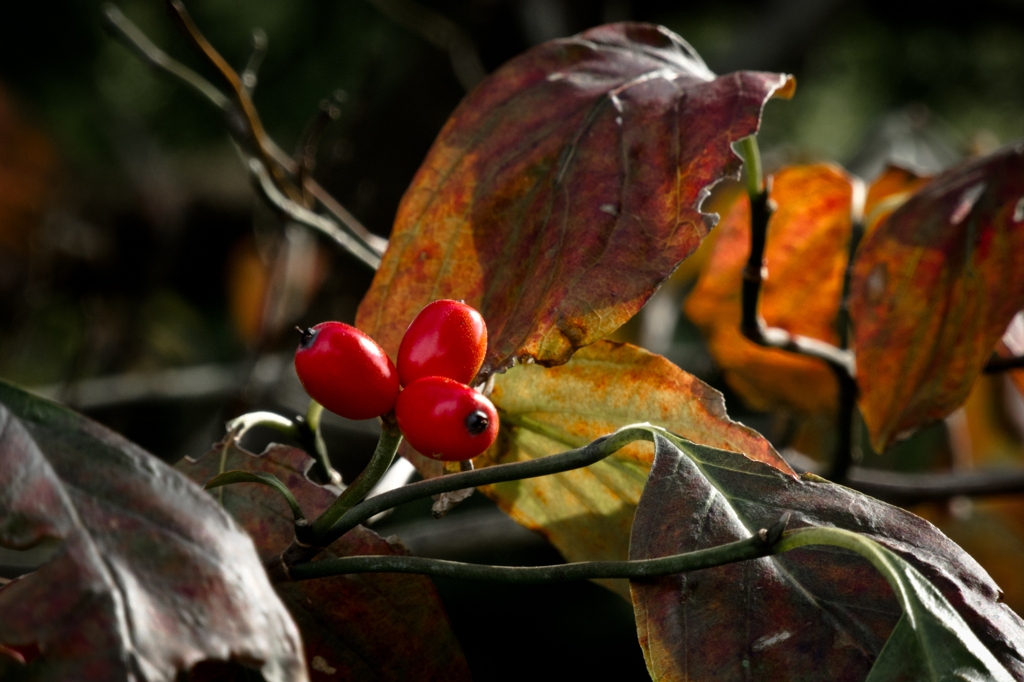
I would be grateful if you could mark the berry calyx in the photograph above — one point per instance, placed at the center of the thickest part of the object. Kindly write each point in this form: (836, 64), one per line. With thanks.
(345, 370)
(447, 339)
(446, 420)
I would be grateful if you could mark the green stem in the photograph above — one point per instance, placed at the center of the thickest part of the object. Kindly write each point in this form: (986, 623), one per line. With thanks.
(242, 424)
(838, 537)
(313, 440)
(752, 161)
(752, 548)
(383, 456)
(499, 473)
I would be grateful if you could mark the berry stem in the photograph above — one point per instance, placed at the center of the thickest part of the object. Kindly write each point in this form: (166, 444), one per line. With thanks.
(762, 543)
(383, 456)
(313, 414)
(545, 466)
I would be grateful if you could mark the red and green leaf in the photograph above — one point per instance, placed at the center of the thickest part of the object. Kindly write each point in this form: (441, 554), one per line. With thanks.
(809, 614)
(934, 287)
(564, 189)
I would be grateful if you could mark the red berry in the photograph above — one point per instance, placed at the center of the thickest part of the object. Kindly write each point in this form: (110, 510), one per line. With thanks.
(345, 370)
(447, 339)
(446, 420)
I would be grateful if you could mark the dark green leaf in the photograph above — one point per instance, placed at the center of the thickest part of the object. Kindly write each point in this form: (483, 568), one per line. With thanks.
(150, 577)
(816, 613)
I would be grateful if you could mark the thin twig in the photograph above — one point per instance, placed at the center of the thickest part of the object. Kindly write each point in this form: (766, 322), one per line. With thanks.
(252, 67)
(383, 456)
(753, 326)
(843, 451)
(305, 152)
(297, 553)
(840, 360)
(759, 545)
(240, 126)
(122, 29)
(373, 242)
(998, 364)
(304, 216)
(256, 139)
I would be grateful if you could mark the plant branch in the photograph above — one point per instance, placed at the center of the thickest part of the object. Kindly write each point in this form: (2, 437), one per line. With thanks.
(246, 128)
(905, 489)
(383, 456)
(122, 29)
(311, 437)
(753, 326)
(998, 364)
(840, 360)
(499, 473)
(252, 67)
(278, 567)
(294, 211)
(759, 545)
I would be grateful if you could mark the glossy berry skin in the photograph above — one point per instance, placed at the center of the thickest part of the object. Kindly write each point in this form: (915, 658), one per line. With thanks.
(447, 339)
(446, 420)
(345, 370)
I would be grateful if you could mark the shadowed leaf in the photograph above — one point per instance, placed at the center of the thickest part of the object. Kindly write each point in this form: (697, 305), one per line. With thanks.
(815, 613)
(934, 288)
(385, 627)
(564, 189)
(150, 576)
(587, 513)
(805, 254)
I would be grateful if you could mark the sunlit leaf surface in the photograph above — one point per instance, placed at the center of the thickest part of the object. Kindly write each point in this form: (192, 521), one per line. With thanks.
(150, 576)
(564, 189)
(587, 513)
(386, 627)
(935, 286)
(815, 613)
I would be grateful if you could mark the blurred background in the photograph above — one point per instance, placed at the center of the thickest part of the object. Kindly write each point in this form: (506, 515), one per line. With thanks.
(143, 282)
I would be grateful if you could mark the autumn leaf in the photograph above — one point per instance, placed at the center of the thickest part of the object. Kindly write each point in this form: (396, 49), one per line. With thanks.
(814, 613)
(934, 287)
(805, 256)
(564, 189)
(150, 576)
(587, 513)
(386, 627)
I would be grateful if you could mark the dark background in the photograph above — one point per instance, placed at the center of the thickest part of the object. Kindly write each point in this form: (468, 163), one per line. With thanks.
(131, 244)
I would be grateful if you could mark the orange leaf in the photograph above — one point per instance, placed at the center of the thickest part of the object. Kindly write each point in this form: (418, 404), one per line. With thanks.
(564, 189)
(934, 287)
(806, 251)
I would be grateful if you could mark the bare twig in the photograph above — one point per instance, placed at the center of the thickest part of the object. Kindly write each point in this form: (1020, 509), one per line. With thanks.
(305, 152)
(912, 488)
(129, 34)
(252, 67)
(265, 184)
(840, 360)
(753, 326)
(242, 119)
(998, 364)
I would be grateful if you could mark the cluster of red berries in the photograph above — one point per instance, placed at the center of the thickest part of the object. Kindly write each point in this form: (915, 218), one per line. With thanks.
(345, 370)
